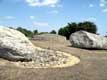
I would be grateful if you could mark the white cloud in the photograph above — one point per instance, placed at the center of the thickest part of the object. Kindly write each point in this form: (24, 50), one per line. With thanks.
(91, 5)
(53, 6)
(104, 10)
(53, 12)
(32, 17)
(103, 3)
(90, 19)
(51, 3)
(41, 24)
(7, 17)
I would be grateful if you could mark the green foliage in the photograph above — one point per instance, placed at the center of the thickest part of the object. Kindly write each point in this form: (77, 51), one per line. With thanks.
(73, 27)
(26, 32)
(35, 32)
(53, 32)
(88, 26)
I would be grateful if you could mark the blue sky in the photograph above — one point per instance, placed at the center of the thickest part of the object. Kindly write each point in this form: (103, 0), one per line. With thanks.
(46, 15)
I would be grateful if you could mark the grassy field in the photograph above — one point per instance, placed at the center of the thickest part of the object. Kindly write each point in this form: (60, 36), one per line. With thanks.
(93, 66)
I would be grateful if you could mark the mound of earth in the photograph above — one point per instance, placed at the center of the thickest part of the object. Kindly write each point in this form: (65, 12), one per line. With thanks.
(15, 46)
(50, 37)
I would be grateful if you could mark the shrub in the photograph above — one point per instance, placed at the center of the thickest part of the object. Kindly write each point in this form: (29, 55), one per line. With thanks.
(53, 32)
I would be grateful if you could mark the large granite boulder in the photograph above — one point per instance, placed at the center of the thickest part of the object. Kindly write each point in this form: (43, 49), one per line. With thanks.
(15, 46)
(83, 39)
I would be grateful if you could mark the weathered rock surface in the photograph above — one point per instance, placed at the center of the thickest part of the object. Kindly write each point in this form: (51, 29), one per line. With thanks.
(14, 45)
(49, 58)
(83, 39)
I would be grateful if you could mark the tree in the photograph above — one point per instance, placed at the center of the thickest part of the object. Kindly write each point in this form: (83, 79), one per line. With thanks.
(106, 34)
(53, 32)
(26, 32)
(35, 32)
(88, 26)
(73, 27)
(68, 30)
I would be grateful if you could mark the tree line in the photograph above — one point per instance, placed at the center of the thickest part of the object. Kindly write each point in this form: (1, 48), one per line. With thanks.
(29, 33)
(64, 31)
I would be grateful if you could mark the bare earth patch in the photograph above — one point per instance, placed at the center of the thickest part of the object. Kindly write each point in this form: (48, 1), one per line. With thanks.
(92, 65)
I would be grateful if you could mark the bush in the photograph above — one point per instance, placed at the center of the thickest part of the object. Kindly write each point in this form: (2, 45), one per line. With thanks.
(26, 32)
(35, 32)
(53, 32)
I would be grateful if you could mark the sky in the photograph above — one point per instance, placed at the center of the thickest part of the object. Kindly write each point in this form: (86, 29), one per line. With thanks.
(46, 15)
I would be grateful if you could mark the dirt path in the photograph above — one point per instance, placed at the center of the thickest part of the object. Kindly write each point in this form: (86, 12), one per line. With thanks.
(93, 66)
